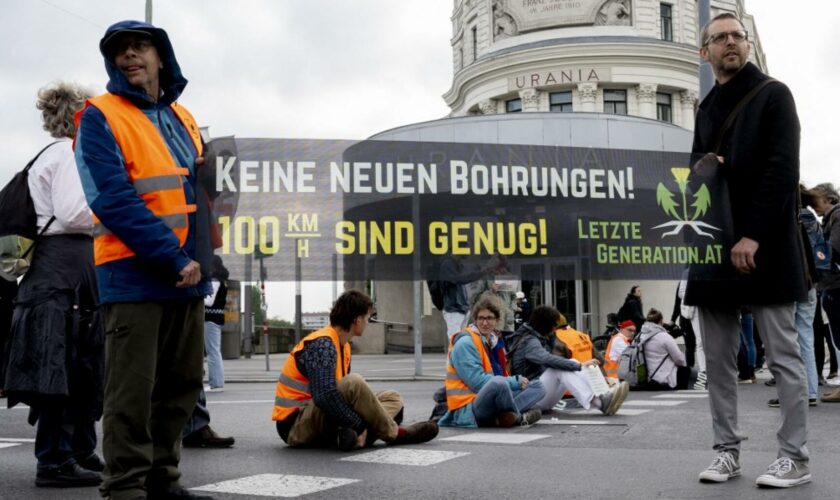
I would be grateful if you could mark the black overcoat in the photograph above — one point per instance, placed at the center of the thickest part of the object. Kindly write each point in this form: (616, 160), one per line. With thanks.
(761, 170)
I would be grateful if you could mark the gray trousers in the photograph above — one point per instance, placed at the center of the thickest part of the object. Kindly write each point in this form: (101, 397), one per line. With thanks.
(720, 330)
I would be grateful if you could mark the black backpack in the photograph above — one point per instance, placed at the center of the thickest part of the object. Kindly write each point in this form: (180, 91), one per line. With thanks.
(17, 211)
(436, 292)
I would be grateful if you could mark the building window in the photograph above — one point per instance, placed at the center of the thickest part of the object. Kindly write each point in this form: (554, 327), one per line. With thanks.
(560, 102)
(667, 22)
(475, 43)
(663, 107)
(513, 106)
(615, 102)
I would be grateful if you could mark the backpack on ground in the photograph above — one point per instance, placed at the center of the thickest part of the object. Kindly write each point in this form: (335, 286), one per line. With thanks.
(632, 366)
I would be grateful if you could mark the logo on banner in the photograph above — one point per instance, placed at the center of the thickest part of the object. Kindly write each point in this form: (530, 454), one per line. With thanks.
(684, 215)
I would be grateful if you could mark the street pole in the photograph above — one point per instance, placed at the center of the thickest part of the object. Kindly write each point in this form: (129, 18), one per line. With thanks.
(149, 11)
(248, 320)
(264, 308)
(707, 79)
(298, 301)
(417, 319)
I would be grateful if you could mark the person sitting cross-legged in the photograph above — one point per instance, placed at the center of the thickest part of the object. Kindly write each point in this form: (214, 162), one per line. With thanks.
(479, 390)
(532, 357)
(318, 403)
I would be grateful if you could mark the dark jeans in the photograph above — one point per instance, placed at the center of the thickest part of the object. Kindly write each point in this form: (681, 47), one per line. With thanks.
(822, 336)
(64, 433)
(200, 417)
(153, 364)
(831, 305)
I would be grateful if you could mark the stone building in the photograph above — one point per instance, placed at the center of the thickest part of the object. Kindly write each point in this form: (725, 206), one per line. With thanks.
(587, 73)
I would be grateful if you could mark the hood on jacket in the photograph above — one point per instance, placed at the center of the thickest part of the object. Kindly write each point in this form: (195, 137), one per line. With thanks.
(172, 81)
(649, 329)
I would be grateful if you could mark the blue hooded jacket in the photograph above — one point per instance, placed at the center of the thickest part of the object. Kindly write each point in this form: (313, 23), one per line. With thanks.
(151, 274)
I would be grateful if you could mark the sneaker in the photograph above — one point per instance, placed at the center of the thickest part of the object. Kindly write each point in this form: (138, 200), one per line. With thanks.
(507, 419)
(773, 403)
(812, 402)
(822, 381)
(700, 384)
(177, 494)
(832, 375)
(417, 433)
(91, 462)
(831, 397)
(784, 473)
(67, 476)
(531, 416)
(207, 438)
(612, 401)
(751, 380)
(725, 466)
(771, 383)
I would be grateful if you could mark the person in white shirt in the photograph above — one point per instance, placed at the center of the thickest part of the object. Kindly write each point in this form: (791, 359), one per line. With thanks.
(56, 348)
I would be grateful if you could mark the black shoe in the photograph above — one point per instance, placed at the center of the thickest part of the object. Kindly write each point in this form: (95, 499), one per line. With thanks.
(773, 403)
(812, 402)
(67, 476)
(179, 494)
(91, 462)
(347, 439)
(821, 381)
(207, 438)
(770, 383)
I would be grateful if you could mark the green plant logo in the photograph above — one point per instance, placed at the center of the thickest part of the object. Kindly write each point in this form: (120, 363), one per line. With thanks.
(685, 214)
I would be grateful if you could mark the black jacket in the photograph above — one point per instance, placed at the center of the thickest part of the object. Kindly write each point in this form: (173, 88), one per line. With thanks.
(632, 310)
(761, 171)
(530, 354)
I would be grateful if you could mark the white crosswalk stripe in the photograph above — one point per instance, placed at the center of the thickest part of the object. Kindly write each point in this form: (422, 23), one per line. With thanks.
(653, 402)
(495, 437)
(276, 485)
(403, 456)
(9, 445)
(681, 396)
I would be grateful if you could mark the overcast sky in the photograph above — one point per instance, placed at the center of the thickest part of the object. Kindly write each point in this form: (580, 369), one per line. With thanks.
(338, 69)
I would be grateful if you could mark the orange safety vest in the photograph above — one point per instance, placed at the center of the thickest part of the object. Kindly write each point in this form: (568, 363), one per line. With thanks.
(152, 170)
(458, 393)
(578, 343)
(292, 390)
(610, 365)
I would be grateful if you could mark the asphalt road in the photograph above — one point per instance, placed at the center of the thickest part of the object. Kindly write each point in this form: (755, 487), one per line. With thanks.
(654, 451)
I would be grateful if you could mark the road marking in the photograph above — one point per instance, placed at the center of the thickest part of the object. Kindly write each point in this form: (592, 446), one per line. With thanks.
(692, 391)
(402, 456)
(9, 445)
(631, 412)
(17, 440)
(681, 396)
(652, 402)
(558, 421)
(276, 485)
(496, 438)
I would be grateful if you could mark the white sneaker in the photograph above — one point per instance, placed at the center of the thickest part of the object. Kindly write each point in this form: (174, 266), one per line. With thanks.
(723, 467)
(784, 473)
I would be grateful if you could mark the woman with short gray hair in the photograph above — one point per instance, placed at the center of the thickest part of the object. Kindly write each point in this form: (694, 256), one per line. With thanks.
(56, 346)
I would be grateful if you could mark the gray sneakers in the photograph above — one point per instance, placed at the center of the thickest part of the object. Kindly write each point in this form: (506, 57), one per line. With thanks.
(611, 401)
(784, 473)
(531, 416)
(723, 467)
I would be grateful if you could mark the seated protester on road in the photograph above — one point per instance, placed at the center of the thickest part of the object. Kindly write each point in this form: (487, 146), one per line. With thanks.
(616, 346)
(479, 391)
(319, 403)
(573, 344)
(665, 362)
(531, 356)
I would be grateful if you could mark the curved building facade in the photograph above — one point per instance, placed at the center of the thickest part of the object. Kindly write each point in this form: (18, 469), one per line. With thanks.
(632, 57)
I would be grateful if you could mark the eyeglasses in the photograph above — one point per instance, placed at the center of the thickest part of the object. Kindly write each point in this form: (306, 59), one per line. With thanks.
(141, 45)
(485, 318)
(738, 36)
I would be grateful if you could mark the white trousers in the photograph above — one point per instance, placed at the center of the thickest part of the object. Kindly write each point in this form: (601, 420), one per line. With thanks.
(557, 382)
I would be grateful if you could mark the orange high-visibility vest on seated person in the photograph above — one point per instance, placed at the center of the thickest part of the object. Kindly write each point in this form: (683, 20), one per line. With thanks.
(611, 366)
(458, 393)
(578, 343)
(152, 170)
(292, 390)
